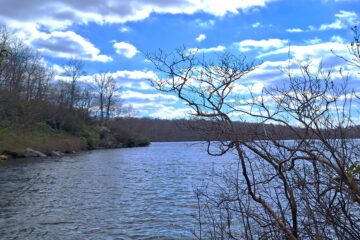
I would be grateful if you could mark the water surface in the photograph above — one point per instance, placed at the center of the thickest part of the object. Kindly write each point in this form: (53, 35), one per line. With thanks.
(138, 193)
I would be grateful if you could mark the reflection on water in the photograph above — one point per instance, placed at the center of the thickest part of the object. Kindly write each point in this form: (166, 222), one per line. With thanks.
(139, 193)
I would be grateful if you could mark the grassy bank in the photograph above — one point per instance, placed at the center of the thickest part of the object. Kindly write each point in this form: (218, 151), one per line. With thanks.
(41, 137)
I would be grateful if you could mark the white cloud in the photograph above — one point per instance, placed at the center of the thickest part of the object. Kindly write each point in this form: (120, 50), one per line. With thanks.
(136, 74)
(319, 51)
(159, 110)
(221, 8)
(125, 49)
(334, 25)
(122, 75)
(124, 29)
(349, 17)
(263, 45)
(200, 38)
(205, 24)
(219, 48)
(36, 24)
(267, 72)
(294, 30)
(66, 45)
(313, 41)
(169, 112)
(129, 94)
(58, 70)
(337, 39)
(141, 85)
(58, 14)
(255, 88)
(255, 25)
(343, 19)
(311, 28)
(155, 105)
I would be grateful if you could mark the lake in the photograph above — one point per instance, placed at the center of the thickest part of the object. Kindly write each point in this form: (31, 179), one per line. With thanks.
(135, 193)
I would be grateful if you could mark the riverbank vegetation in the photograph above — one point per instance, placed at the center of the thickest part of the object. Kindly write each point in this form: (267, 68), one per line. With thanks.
(64, 115)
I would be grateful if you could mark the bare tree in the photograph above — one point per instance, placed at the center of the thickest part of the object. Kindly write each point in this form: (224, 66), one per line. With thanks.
(23, 78)
(74, 70)
(105, 87)
(110, 100)
(4, 42)
(354, 50)
(304, 188)
(100, 86)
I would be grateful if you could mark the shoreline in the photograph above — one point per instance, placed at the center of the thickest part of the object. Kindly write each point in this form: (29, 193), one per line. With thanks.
(40, 140)
(8, 157)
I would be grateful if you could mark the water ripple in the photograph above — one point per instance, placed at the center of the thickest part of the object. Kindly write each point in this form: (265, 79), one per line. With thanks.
(140, 193)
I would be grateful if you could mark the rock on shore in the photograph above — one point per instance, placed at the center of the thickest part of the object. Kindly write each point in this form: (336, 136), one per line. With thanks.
(56, 154)
(33, 153)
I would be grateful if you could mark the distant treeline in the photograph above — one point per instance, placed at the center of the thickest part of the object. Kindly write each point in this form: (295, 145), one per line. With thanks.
(198, 130)
(194, 130)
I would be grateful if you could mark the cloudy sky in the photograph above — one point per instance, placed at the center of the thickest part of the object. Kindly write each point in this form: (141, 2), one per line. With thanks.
(110, 36)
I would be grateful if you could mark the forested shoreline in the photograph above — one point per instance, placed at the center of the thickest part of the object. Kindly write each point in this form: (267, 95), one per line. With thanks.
(54, 116)
(181, 130)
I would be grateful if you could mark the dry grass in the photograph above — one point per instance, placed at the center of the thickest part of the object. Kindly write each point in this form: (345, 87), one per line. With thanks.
(39, 137)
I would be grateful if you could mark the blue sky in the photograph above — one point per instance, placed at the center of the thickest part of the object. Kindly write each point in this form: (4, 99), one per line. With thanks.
(110, 36)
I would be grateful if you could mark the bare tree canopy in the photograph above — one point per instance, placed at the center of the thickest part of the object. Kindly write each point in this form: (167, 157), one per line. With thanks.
(74, 70)
(306, 188)
(105, 87)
